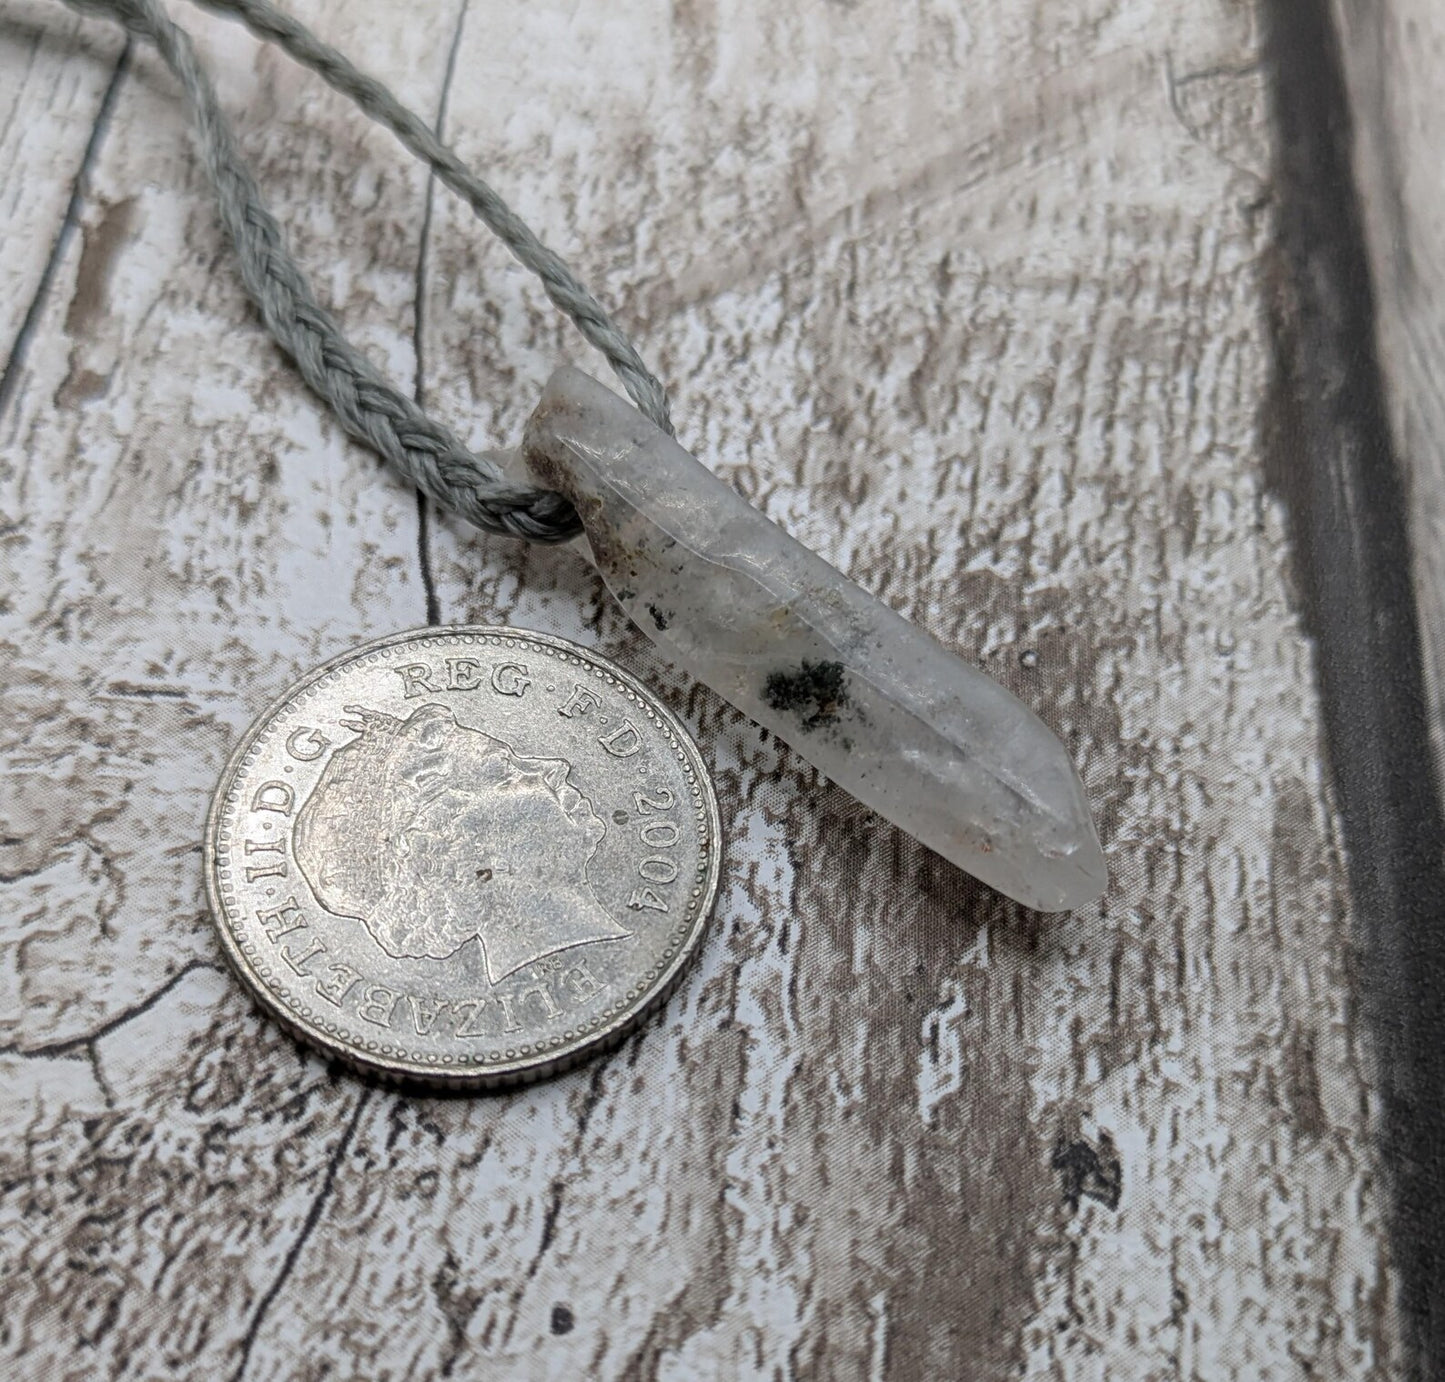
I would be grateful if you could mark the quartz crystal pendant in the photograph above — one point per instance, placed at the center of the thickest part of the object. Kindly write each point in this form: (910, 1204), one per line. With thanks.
(875, 703)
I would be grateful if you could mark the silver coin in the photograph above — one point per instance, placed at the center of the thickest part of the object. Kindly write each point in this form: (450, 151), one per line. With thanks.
(467, 856)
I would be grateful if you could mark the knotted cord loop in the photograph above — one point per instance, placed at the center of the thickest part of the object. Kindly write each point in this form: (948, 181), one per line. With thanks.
(369, 408)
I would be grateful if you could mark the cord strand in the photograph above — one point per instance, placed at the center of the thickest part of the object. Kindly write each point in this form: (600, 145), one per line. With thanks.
(266, 22)
(368, 407)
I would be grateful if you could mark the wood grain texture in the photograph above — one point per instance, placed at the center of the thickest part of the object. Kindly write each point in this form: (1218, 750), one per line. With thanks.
(45, 177)
(1393, 55)
(1389, 155)
(973, 302)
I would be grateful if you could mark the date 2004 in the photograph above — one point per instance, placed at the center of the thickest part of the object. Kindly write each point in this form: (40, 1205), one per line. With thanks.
(658, 835)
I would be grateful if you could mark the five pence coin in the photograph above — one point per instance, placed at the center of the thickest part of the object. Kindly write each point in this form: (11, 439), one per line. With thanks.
(466, 856)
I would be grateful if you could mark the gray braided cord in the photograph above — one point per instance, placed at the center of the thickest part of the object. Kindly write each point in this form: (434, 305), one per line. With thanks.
(268, 23)
(370, 409)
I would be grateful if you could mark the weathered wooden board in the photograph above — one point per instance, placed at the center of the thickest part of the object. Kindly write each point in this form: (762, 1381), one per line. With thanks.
(48, 90)
(973, 301)
(1360, 248)
(1393, 57)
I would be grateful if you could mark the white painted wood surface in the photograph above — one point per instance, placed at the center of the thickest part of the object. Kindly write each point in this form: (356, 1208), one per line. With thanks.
(972, 301)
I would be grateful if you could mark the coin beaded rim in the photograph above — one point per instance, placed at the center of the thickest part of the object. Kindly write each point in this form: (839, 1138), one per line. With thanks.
(500, 1065)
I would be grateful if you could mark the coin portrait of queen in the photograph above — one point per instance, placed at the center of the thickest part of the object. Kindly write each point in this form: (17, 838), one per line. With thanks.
(432, 834)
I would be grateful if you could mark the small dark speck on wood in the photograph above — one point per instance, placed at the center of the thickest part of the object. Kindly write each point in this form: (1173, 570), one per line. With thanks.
(1088, 1171)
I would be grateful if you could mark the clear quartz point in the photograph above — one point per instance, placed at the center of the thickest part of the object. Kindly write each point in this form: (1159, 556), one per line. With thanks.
(919, 735)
